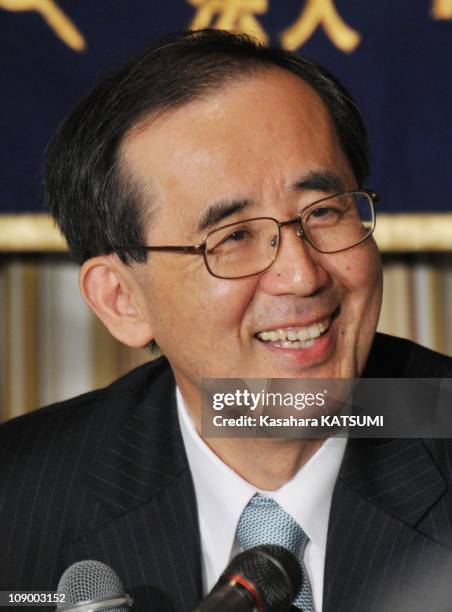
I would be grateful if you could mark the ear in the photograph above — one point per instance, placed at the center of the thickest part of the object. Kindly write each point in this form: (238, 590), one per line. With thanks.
(111, 292)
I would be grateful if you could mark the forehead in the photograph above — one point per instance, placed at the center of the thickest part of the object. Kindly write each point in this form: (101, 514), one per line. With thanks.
(247, 139)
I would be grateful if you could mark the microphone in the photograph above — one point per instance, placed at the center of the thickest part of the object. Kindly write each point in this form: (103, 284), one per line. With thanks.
(89, 586)
(261, 579)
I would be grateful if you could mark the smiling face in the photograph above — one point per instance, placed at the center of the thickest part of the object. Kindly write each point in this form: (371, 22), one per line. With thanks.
(264, 146)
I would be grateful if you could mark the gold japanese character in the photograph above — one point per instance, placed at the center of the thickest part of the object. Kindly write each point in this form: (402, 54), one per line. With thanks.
(320, 13)
(234, 15)
(442, 9)
(63, 27)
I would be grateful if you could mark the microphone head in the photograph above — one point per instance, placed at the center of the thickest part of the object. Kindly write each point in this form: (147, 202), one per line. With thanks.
(274, 572)
(86, 582)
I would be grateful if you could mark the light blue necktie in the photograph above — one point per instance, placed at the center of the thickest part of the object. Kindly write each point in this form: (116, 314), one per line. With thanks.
(264, 521)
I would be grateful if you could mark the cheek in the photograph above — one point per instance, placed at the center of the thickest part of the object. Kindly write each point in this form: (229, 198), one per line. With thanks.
(358, 273)
(362, 267)
(369, 275)
(198, 305)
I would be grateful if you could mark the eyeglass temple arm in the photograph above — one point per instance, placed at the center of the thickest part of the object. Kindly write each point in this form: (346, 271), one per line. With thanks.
(197, 249)
(373, 195)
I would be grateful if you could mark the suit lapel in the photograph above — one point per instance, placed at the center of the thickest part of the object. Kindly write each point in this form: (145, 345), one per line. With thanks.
(376, 556)
(142, 480)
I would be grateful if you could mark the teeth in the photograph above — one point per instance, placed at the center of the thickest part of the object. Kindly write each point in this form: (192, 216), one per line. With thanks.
(322, 326)
(304, 334)
(302, 337)
(295, 345)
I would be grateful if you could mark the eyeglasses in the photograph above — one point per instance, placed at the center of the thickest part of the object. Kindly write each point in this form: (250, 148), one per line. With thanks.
(237, 250)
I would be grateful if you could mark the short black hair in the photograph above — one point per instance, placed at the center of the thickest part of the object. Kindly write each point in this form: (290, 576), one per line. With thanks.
(94, 202)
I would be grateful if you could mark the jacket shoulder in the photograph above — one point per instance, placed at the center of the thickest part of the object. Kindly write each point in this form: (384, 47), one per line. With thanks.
(47, 500)
(91, 415)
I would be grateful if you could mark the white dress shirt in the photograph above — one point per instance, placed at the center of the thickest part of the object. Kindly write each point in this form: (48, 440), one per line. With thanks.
(221, 496)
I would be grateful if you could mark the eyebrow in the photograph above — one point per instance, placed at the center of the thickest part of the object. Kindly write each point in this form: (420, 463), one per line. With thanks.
(326, 182)
(219, 211)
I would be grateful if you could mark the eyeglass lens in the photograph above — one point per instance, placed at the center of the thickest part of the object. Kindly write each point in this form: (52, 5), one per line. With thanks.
(251, 246)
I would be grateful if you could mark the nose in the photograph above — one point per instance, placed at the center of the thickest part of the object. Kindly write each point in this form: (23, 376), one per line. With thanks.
(297, 269)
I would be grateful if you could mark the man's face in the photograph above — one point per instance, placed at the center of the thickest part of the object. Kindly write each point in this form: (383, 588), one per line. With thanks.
(266, 141)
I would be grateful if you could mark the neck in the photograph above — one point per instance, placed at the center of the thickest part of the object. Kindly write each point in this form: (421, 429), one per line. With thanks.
(266, 463)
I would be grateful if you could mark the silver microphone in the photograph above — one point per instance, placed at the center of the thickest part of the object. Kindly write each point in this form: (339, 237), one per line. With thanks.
(89, 586)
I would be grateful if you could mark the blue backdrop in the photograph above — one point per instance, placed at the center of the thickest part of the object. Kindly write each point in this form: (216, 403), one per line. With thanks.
(394, 56)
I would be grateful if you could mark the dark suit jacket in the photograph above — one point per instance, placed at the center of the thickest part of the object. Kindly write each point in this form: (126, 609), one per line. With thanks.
(105, 476)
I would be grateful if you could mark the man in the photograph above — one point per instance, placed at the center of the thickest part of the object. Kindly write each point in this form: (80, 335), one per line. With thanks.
(242, 170)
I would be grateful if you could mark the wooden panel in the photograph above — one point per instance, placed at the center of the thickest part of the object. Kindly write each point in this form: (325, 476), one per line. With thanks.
(408, 233)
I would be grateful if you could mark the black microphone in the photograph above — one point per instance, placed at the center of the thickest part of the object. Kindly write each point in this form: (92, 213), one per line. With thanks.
(262, 579)
(88, 586)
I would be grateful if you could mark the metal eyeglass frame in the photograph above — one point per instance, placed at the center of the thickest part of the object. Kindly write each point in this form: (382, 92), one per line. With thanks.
(200, 249)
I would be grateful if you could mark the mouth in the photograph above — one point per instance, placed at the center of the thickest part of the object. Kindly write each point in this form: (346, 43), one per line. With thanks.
(297, 337)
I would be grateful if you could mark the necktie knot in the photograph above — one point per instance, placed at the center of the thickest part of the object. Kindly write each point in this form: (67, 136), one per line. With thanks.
(264, 521)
